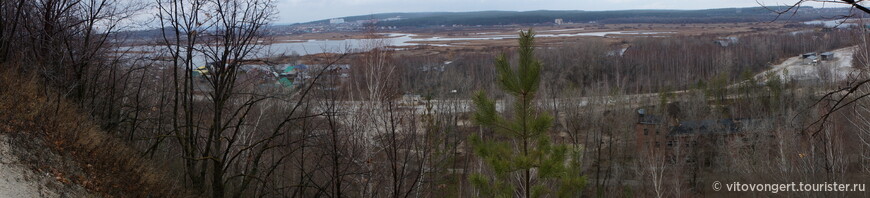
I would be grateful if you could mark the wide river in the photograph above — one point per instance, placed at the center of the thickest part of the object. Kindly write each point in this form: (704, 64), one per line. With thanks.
(306, 47)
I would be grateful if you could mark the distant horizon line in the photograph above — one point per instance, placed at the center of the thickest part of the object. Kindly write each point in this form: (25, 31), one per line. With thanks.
(676, 9)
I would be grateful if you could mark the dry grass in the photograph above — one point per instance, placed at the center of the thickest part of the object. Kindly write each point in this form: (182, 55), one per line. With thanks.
(108, 167)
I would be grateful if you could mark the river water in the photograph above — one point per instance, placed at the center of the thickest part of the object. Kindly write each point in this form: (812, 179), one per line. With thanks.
(306, 47)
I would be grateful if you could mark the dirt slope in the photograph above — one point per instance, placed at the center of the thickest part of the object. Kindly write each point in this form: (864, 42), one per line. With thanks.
(18, 179)
(51, 148)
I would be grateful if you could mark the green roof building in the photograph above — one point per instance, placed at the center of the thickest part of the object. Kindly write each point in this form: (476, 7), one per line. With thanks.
(285, 82)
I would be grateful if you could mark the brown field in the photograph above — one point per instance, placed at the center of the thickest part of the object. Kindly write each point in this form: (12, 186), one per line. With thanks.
(721, 29)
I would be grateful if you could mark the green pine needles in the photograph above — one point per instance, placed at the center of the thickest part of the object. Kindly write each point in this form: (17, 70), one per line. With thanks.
(522, 160)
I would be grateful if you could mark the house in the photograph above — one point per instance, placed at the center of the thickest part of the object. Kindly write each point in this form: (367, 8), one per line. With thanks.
(338, 67)
(333, 76)
(649, 133)
(827, 56)
(679, 141)
(291, 75)
(254, 68)
(200, 71)
(285, 82)
(293, 70)
(813, 59)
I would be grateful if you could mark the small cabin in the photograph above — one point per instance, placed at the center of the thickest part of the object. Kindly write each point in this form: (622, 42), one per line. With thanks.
(827, 56)
(811, 59)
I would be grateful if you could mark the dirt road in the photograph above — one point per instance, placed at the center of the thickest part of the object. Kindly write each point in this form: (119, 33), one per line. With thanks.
(797, 68)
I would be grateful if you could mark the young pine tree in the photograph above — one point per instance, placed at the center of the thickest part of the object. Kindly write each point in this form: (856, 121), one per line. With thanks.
(521, 147)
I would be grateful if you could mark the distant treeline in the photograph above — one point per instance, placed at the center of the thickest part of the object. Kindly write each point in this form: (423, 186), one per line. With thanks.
(647, 66)
(699, 59)
(754, 14)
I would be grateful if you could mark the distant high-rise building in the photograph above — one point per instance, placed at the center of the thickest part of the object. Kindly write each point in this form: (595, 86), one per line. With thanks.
(336, 21)
(393, 18)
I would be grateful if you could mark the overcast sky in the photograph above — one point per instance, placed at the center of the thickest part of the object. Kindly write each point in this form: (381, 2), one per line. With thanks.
(294, 11)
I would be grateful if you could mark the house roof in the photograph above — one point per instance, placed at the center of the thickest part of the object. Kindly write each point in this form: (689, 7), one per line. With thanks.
(285, 82)
(645, 118)
(292, 67)
(707, 127)
(650, 119)
(249, 68)
(199, 71)
(337, 67)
